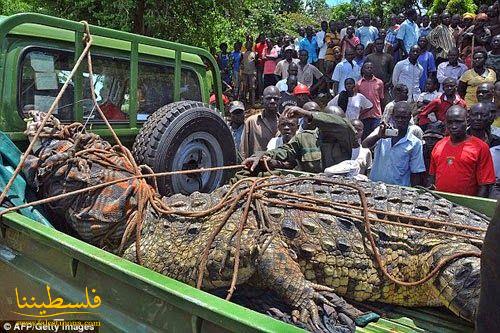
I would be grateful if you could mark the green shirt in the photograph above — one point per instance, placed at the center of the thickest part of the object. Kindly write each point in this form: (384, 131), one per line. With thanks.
(314, 150)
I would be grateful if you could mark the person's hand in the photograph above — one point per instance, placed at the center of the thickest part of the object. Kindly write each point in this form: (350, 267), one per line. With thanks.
(297, 112)
(251, 163)
(381, 131)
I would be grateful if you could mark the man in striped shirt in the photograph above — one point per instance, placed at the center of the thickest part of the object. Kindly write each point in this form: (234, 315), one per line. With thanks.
(441, 38)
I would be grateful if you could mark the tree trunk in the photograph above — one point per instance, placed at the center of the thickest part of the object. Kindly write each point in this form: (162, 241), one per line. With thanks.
(138, 17)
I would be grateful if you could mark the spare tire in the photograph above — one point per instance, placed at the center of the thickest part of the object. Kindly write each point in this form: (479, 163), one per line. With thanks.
(186, 135)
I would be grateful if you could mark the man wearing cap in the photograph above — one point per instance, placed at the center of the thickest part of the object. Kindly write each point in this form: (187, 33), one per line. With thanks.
(478, 31)
(282, 66)
(237, 121)
(331, 142)
(302, 94)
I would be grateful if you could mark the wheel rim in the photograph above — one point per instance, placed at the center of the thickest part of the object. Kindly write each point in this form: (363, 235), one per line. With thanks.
(198, 150)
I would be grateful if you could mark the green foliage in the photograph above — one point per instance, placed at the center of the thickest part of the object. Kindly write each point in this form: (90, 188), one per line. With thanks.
(291, 6)
(207, 23)
(9, 7)
(452, 6)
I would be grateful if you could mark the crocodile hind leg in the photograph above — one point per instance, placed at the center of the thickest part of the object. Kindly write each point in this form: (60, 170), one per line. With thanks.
(458, 283)
(278, 271)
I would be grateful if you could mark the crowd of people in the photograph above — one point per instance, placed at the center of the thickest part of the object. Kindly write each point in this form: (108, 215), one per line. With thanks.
(412, 102)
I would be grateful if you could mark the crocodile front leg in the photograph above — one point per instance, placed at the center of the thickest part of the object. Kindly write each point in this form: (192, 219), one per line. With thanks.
(278, 271)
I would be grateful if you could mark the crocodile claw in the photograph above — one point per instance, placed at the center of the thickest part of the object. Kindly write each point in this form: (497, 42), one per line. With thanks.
(337, 314)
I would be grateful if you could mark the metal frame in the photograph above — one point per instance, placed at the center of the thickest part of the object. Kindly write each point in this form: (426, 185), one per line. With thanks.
(8, 24)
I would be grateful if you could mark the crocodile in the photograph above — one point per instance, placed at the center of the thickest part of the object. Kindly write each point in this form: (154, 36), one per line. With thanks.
(315, 249)
(307, 256)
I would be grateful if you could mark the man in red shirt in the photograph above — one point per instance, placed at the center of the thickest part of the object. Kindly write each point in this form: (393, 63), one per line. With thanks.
(259, 50)
(436, 109)
(372, 88)
(461, 163)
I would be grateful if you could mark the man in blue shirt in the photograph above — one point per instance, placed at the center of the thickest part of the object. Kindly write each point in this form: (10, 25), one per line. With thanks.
(426, 26)
(367, 33)
(408, 32)
(310, 44)
(399, 159)
(347, 68)
(236, 61)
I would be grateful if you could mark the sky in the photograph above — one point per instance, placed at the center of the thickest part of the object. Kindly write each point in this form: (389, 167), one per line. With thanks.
(335, 2)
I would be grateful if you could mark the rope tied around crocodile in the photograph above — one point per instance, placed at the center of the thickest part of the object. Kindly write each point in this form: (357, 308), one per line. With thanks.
(111, 173)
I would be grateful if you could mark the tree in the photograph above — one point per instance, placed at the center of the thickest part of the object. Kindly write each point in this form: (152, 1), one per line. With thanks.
(9, 7)
(452, 6)
(291, 6)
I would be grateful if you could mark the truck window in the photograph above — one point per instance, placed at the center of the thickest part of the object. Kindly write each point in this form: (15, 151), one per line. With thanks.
(155, 88)
(43, 73)
(111, 87)
(190, 85)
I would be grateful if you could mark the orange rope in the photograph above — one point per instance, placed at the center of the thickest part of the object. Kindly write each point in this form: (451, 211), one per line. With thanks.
(88, 40)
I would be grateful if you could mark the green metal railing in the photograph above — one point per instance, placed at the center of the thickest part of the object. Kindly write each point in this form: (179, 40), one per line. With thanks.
(10, 23)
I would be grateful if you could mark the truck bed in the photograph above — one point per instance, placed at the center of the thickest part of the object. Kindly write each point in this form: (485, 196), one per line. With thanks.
(136, 299)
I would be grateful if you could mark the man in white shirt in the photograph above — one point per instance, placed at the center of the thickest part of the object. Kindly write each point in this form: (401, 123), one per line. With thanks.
(282, 66)
(322, 45)
(347, 68)
(408, 72)
(451, 68)
(293, 69)
(351, 21)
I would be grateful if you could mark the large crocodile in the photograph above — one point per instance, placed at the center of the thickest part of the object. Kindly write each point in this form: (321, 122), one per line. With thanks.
(314, 249)
(303, 253)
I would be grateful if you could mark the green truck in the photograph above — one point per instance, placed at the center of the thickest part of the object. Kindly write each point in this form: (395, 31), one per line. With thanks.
(135, 77)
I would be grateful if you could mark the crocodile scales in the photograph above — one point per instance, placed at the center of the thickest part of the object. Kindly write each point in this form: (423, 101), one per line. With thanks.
(320, 249)
(303, 256)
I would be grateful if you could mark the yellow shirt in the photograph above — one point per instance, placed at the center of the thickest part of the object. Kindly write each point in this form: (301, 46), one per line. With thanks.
(473, 79)
(331, 37)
